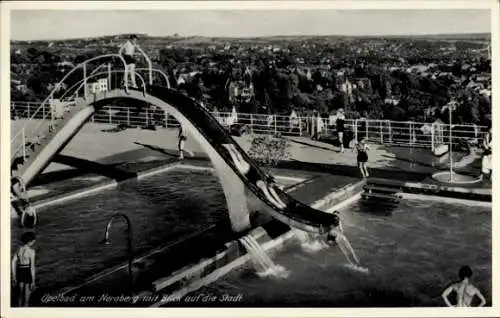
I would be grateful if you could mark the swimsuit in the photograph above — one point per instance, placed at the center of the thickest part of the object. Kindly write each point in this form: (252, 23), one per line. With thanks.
(29, 221)
(23, 270)
(362, 155)
(340, 125)
(129, 59)
(331, 238)
(128, 54)
(24, 274)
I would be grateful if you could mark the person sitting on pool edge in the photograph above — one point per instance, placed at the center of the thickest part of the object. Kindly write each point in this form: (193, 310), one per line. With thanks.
(29, 218)
(334, 235)
(464, 289)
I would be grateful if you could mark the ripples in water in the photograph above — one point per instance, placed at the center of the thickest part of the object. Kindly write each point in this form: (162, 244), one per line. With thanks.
(411, 255)
(161, 208)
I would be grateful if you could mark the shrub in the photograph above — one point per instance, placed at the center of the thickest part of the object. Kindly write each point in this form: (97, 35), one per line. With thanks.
(269, 150)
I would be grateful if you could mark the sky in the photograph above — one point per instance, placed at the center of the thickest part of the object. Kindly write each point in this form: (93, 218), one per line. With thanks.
(60, 24)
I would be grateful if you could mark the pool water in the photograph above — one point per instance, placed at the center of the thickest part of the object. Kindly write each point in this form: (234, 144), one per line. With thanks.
(161, 208)
(412, 254)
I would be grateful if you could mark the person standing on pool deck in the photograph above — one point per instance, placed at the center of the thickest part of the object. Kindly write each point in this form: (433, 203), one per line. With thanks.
(182, 140)
(127, 51)
(340, 122)
(486, 169)
(362, 157)
(464, 289)
(23, 269)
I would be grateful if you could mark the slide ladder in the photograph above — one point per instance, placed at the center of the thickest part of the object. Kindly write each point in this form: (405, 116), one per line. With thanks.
(32, 139)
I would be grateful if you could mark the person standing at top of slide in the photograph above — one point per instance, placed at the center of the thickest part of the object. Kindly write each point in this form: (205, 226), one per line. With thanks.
(127, 50)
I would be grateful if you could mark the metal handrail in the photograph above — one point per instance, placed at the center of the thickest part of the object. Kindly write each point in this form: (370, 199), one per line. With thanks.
(112, 72)
(157, 71)
(56, 88)
(381, 134)
(150, 65)
(83, 80)
(150, 68)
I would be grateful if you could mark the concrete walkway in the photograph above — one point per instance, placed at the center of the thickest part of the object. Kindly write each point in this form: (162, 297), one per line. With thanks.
(93, 143)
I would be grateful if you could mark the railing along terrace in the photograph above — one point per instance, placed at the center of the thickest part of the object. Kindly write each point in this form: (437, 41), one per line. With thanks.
(384, 132)
(44, 110)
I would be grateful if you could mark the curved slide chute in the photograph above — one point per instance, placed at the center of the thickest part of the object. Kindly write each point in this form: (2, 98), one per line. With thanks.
(235, 168)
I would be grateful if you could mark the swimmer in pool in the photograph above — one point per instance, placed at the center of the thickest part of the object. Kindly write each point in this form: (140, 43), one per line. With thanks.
(268, 189)
(335, 236)
(23, 269)
(464, 289)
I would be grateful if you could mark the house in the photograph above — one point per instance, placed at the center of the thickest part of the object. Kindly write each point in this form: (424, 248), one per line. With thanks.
(392, 101)
(238, 90)
(97, 87)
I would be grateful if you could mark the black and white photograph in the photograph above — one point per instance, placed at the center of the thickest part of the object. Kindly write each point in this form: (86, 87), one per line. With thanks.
(232, 157)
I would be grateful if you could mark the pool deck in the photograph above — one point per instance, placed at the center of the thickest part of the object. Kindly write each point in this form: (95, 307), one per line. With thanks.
(93, 143)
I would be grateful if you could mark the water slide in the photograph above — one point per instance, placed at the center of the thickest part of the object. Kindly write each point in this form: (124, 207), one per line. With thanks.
(240, 171)
(281, 205)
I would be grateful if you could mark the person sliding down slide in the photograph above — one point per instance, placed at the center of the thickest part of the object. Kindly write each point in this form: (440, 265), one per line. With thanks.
(245, 169)
(335, 236)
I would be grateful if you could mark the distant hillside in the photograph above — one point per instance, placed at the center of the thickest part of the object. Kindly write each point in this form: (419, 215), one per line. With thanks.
(269, 39)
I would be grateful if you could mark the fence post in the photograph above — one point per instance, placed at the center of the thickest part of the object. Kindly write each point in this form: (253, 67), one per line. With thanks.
(85, 81)
(166, 120)
(381, 134)
(275, 128)
(300, 126)
(390, 132)
(366, 128)
(52, 111)
(109, 77)
(110, 116)
(147, 120)
(43, 110)
(23, 137)
(411, 133)
(251, 123)
(28, 110)
(128, 116)
(356, 130)
(432, 137)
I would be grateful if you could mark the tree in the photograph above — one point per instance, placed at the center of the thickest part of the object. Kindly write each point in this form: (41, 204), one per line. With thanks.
(269, 150)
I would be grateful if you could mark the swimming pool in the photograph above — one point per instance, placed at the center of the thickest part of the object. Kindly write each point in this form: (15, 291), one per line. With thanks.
(412, 253)
(162, 208)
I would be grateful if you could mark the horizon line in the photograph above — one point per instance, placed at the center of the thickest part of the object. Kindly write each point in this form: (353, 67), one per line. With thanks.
(253, 36)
